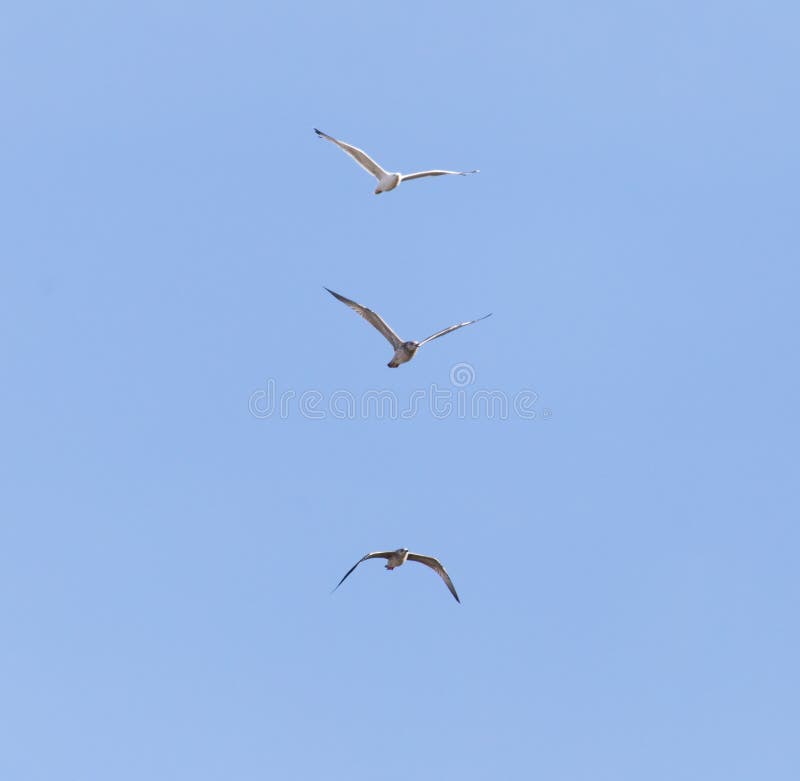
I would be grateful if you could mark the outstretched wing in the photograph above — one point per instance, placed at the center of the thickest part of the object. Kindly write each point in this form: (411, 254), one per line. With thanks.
(420, 174)
(377, 555)
(371, 317)
(359, 155)
(452, 328)
(437, 567)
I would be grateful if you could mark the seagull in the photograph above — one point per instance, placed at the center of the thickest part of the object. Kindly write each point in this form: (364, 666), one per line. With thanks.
(396, 558)
(403, 351)
(386, 180)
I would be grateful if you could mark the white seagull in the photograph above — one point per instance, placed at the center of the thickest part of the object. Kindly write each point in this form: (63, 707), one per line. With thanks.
(403, 351)
(386, 180)
(396, 558)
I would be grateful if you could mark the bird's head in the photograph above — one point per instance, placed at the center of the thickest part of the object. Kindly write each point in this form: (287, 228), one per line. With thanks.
(411, 347)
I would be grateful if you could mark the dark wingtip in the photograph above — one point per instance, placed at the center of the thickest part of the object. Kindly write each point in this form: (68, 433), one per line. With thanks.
(318, 132)
(337, 296)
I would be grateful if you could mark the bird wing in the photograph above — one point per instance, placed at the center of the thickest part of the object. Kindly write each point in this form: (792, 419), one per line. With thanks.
(377, 555)
(371, 317)
(437, 567)
(420, 174)
(359, 155)
(451, 328)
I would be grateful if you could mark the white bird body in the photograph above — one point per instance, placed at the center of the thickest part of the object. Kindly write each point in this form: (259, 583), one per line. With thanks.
(386, 180)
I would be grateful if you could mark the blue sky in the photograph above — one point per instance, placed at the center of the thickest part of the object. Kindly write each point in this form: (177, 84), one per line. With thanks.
(626, 559)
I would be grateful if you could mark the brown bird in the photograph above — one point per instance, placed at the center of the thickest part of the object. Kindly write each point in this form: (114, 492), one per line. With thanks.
(396, 558)
(403, 351)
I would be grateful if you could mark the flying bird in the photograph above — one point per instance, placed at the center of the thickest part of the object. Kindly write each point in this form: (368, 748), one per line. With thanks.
(386, 180)
(396, 558)
(403, 351)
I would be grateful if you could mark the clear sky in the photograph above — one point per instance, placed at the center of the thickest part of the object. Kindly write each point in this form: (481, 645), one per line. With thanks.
(626, 551)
